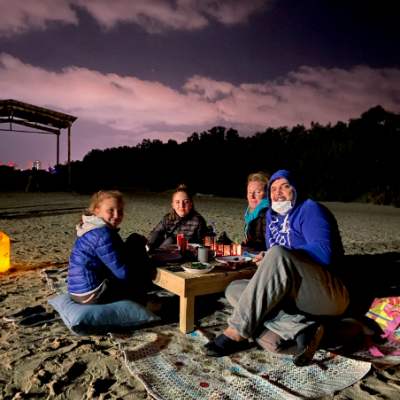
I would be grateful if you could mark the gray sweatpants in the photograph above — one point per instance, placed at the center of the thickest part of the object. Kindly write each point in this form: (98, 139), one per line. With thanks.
(283, 276)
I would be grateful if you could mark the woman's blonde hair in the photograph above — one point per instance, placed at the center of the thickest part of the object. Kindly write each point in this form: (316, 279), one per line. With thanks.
(101, 195)
(258, 177)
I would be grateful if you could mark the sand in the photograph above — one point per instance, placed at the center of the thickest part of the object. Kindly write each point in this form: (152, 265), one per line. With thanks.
(46, 361)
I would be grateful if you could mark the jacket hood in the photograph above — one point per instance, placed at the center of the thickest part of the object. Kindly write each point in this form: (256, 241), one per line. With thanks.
(283, 173)
(89, 222)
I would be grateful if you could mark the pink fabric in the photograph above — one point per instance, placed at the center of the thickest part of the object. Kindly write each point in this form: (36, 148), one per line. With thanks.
(390, 312)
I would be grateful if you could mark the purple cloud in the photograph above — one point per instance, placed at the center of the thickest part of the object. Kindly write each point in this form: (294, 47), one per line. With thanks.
(153, 16)
(20, 16)
(116, 110)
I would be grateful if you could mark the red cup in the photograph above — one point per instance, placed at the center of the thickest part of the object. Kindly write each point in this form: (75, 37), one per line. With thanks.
(181, 241)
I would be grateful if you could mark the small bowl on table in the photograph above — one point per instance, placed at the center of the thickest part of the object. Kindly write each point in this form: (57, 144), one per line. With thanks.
(198, 268)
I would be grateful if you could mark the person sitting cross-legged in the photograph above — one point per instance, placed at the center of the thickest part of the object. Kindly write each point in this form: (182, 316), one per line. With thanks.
(294, 287)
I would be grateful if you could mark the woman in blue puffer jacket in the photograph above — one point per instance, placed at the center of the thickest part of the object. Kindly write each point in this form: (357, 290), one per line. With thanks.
(100, 266)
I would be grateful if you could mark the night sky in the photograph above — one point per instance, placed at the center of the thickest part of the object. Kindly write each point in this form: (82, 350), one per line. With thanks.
(136, 69)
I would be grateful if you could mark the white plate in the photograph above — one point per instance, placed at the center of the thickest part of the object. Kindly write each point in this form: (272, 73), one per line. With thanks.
(198, 271)
(195, 245)
(232, 259)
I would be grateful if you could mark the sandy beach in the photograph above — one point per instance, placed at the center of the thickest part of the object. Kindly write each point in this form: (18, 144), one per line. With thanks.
(47, 361)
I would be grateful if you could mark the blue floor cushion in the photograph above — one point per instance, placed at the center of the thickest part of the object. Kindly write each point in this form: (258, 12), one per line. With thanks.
(101, 318)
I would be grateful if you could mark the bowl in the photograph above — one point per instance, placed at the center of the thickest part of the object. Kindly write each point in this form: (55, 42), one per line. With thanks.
(232, 259)
(198, 268)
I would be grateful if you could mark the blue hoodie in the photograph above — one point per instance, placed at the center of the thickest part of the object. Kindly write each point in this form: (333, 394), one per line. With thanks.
(308, 226)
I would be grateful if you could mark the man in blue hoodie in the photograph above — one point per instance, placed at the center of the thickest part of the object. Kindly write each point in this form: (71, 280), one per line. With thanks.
(303, 245)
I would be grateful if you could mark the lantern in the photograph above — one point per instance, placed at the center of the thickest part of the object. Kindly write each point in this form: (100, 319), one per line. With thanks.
(227, 249)
(219, 249)
(213, 246)
(4, 252)
(209, 241)
(236, 249)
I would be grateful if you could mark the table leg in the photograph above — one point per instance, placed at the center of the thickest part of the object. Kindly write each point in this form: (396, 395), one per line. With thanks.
(186, 314)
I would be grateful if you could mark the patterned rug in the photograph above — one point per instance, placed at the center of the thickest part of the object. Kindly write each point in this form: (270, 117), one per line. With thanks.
(173, 366)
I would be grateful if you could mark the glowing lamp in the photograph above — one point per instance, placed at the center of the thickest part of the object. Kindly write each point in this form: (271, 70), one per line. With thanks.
(219, 249)
(4, 252)
(236, 249)
(209, 241)
(227, 250)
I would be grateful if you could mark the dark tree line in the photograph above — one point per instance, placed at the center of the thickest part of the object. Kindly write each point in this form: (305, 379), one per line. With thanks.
(350, 161)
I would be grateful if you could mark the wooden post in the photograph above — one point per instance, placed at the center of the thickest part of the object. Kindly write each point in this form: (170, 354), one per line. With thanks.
(58, 148)
(69, 156)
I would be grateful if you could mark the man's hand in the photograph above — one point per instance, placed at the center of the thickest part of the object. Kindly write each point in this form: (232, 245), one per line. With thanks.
(259, 257)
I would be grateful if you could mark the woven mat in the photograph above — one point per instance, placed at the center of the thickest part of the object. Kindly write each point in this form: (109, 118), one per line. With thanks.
(172, 365)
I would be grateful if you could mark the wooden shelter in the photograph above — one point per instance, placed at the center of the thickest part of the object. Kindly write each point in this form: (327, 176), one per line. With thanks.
(37, 119)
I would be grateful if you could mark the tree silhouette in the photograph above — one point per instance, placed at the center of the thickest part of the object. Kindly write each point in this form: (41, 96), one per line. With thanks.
(344, 162)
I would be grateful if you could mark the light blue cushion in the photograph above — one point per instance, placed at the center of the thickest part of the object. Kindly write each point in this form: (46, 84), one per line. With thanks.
(100, 318)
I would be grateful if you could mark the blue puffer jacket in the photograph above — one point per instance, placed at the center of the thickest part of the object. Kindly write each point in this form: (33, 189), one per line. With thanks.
(96, 255)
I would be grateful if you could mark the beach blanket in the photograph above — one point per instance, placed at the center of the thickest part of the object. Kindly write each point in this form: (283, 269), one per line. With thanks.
(172, 365)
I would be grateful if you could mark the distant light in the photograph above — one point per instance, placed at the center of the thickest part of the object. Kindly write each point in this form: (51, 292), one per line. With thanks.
(36, 164)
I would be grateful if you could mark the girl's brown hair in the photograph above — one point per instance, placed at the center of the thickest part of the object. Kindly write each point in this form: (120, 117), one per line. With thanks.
(101, 195)
(182, 188)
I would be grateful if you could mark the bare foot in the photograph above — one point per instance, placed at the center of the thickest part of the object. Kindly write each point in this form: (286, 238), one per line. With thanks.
(233, 334)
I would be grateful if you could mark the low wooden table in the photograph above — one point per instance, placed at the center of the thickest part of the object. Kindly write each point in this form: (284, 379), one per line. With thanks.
(188, 286)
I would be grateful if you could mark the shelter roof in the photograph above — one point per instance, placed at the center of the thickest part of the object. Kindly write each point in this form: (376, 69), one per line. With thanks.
(14, 111)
